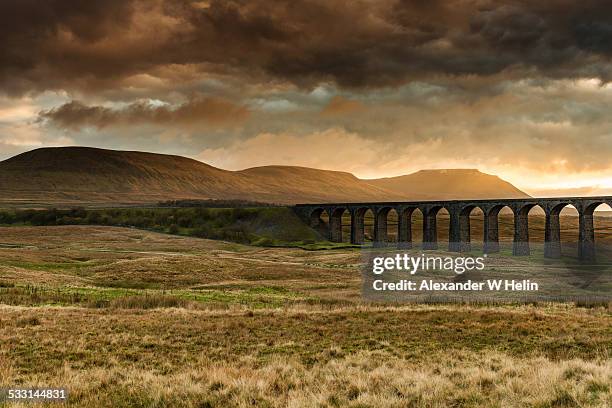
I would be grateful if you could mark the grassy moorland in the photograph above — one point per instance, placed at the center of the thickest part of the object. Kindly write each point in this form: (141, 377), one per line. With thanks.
(267, 226)
(126, 317)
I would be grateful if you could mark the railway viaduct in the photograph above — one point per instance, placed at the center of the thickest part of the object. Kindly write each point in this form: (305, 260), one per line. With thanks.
(459, 228)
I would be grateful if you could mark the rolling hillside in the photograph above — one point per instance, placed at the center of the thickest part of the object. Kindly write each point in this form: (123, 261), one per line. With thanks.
(82, 175)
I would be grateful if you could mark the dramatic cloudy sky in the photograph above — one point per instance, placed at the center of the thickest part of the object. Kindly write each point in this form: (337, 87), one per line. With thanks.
(379, 88)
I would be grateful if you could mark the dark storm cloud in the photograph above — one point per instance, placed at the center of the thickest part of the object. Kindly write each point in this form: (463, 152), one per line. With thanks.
(199, 111)
(33, 37)
(68, 44)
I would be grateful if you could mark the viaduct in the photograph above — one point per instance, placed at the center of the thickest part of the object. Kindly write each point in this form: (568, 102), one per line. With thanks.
(459, 228)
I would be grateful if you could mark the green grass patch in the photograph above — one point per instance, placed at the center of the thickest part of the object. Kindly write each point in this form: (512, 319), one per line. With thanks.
(254, 297)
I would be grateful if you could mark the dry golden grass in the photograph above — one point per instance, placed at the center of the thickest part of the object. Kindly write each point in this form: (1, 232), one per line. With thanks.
(353, 356)
(198, 323)
(362, 379)
(108, 257)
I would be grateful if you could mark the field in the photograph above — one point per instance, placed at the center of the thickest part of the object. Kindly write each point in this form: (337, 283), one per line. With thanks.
(126, 317)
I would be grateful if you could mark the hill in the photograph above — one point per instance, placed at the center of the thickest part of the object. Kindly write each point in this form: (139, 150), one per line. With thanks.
(450, 184)
(83, 175)
(80, 174)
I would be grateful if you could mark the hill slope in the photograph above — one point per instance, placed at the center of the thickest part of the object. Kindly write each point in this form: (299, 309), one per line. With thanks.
(79, 174)
(449, 184)
(73, 175)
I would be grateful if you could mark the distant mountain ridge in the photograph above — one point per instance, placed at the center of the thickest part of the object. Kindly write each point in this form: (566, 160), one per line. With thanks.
(454, 183)
(84, 175)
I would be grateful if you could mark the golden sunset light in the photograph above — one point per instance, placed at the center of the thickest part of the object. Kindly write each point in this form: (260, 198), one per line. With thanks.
(516, 90)
(306, 203)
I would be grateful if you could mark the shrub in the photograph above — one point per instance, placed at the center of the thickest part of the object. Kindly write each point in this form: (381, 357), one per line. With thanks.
(27, 321)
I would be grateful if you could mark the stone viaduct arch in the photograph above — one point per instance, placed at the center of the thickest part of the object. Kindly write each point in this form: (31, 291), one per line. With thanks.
(459, 224)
